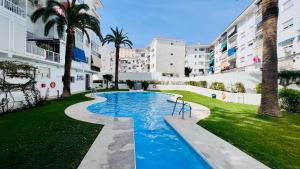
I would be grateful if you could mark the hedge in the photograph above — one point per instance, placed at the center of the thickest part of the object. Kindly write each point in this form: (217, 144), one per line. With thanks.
(290, 100)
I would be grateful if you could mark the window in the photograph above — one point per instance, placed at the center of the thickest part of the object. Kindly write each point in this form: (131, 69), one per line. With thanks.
(287, 5)
(172, 43)
(195, 56)
(171, 64)
(200, 56)
(201, 49)
(196, 49)
(288, 24)
(172, 54)
(250, 43)
(43, 72)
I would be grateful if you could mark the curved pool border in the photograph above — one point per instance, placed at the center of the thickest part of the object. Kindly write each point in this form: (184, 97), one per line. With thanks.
(114, 146)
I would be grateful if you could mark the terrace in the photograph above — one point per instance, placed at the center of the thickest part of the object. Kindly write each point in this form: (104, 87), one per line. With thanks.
(13, 7)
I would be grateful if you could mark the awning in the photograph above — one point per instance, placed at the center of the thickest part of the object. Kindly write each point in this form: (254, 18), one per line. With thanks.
(224, 64)
(231, 51)
(212, 62)
(212, 53)
(224, 45)
(96, 61)
(287, 42)
(79, 55)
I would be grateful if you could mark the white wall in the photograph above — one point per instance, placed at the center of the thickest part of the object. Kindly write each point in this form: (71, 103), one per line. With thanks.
(243, 98)
(170, 56)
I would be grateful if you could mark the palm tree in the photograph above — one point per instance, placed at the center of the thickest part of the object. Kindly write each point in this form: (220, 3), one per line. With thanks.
(187, 71)
(269, 93)
(67, 17)
(118, 38)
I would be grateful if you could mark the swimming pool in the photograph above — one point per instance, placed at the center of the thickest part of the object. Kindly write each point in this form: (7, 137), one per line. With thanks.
(157, 145)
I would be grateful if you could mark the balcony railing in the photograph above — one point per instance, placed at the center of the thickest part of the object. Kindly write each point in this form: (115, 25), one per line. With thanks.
(33, 49)
(13, 7)
(52, 56)
(45, 54)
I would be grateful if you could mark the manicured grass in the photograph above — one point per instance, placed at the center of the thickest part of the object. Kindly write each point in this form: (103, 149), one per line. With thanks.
(273, 141)
(44, 137)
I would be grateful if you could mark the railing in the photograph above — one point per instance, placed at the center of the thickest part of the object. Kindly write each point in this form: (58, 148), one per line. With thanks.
(13, 7)
(30, 48)
(46, 54)
(182, 108)
(52, 56)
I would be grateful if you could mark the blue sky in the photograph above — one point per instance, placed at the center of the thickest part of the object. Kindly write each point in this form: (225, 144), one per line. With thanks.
(195, 21)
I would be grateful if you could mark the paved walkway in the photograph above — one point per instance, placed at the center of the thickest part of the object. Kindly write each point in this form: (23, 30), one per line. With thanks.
(219, 153)
(114, 146)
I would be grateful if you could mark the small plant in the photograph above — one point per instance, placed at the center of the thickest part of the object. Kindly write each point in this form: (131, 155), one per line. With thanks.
(290, 100)
(238, 88)
(218, 86)
(130, 84)
(145, 85)
(46, 46)
(258, 88)
(199, 84)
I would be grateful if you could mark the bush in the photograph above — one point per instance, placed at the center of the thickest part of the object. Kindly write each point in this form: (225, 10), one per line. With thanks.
(217, 86)
(290, 100)
(130, 84)
(238, 88)
(145, 85)
(258, 88)
(199, 84)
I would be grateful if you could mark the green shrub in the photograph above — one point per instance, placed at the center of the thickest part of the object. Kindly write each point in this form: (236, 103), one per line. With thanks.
(199, 84)
(290, 100)
(238, 88)
(258, 88)
(218, 86)
(145, 85)
(130, 84)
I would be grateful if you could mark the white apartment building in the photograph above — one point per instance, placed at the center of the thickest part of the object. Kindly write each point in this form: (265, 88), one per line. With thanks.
(107, 59)
(197, 58)
(166, 56)
(24, 41)
(240, 46)
(132, 60)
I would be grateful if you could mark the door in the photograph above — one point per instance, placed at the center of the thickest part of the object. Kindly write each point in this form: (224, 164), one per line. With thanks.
(87, 82)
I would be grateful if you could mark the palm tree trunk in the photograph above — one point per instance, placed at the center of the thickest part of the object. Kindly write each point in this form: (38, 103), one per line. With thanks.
(68, 63)
(269, 94)
(117, 67)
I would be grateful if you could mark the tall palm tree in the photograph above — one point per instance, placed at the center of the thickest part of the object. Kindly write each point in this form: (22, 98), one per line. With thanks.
(67, 17)
(269, 93)
(118, 38)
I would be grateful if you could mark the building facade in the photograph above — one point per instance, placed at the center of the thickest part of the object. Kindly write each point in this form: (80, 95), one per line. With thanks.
(240, 46)
(197, 58)
(132, 60)
(25, 42)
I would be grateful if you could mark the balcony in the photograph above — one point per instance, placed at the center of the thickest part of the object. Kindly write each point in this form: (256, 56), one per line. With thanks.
(9, 5)
(44, 54)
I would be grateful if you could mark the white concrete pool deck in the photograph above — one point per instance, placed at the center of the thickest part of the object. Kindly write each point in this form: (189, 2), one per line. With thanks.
(114, 146)
(216, 151)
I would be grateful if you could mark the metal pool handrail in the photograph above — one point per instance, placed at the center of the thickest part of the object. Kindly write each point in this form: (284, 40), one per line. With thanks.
(182, 109)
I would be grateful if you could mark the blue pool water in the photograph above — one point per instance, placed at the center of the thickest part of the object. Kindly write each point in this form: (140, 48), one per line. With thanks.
(157, 145)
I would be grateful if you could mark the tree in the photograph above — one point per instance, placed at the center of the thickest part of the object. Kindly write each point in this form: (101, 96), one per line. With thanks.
(187, 71)
(67, 17)
(108, 78)
(118, 38)
(269, 91)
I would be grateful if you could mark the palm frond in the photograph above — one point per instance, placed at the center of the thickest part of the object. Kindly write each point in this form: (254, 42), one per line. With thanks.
(37, 14)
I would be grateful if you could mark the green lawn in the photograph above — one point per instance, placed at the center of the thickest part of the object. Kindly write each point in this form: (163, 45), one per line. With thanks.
(44, 138)
(273, 141)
